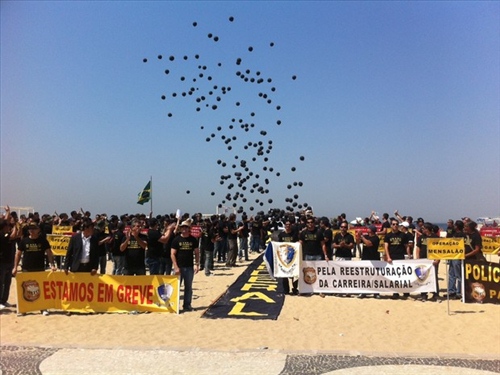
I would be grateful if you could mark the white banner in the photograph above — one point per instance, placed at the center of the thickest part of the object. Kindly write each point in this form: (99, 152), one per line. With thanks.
(402, 276)
(286, 258)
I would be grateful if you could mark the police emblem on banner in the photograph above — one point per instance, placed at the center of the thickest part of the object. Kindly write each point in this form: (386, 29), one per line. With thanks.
(31, 290)
(165, 292)
(478, 292)
(286, 254)
(309, 275)
(422, 272)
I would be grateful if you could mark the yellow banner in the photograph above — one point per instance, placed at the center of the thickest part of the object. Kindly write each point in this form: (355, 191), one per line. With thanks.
(100, 293)
(58, 243)
(381, 244)
(445, 248)
(491, 245)
(62, 229)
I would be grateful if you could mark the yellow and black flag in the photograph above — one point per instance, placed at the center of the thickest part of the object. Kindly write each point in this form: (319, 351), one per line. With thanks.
(145, 195)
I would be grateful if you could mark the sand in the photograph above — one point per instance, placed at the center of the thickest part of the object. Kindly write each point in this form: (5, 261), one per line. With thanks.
(306, 324)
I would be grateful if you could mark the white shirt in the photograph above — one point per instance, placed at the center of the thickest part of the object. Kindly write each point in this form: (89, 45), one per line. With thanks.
(85, 258)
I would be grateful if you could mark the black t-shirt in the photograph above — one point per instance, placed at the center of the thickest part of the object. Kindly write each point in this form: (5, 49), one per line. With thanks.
(410, 237)
(155, 248)
(256, 228)
(244, 232)
(207, 235)
(167, 248)
(185, 247)
(385, 225)
(231, 225)
(134, 254)
(328, 236)
(101, 249)
(397, 244)
(222, 229)
(118, 237)
(6, 249)
(311, 242)
(33, 253)
(371, 252)
(422, 244)
(471, 241)
(343, 252)
(288, 237)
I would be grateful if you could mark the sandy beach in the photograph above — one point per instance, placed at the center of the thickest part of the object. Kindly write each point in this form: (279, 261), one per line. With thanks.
(306, 324)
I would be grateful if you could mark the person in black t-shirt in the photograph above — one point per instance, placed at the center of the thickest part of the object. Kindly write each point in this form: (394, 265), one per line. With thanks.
(370, 251)
(208, 238)
(117, 255)
(395, 243)
(473, 242)
(343, 243)
(455, 266)
(8, 233)
(232, 241)
(33, 250)
(395, 247)
(450, 229)
(312, 241)
(243, 234)
(134, 244)
(325, 228)
(370, 243)
(103, 239)
(386, 224)
(156, 242)
(256, 233)
(186, 260)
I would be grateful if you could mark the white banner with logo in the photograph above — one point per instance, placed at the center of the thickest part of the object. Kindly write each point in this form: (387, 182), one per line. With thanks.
(402, 276)
(286, 258)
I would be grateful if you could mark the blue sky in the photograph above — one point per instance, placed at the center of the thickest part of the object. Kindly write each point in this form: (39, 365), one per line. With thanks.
(395, 105)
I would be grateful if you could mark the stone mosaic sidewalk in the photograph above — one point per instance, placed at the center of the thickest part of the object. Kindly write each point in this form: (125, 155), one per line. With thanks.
(19, 360)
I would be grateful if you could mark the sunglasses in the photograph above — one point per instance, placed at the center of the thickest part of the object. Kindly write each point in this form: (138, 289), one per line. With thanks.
(343, 227)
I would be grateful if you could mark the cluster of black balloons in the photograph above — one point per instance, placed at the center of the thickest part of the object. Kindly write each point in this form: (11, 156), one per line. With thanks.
(245, 182)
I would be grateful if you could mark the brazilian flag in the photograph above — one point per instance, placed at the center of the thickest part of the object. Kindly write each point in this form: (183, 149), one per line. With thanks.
(145, 195)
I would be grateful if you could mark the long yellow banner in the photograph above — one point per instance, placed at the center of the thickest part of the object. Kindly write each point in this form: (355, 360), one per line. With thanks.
(445, 248)
(100, 293)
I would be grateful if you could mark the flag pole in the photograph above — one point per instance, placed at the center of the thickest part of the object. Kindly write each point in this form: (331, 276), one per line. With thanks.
(151, 195)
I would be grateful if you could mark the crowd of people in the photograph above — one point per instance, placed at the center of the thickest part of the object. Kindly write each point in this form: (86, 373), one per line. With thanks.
(186, 244)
